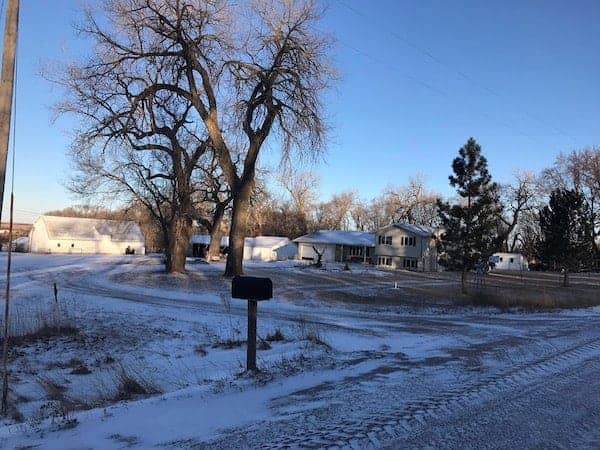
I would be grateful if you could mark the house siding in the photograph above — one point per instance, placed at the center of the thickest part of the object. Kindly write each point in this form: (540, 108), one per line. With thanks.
(423, 251)
(306, 252)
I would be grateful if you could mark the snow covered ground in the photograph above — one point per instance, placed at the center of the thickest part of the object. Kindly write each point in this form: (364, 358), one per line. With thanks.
(145, 359)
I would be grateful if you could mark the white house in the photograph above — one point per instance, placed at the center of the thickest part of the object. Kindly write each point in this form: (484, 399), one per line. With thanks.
(51, 234)
(336, 246)
(509, 261)
(260, 248)
(406, 246)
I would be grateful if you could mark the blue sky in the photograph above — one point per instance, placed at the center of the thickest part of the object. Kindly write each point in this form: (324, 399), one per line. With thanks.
(522, 77)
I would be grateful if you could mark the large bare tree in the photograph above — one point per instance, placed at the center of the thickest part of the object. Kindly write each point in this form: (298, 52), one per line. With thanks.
(520, 199)
(413, 203)
(136, 142)
(253, 71)
(336, 213)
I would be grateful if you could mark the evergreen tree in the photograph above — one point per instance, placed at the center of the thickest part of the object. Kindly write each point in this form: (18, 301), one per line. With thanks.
(567, 241)
(471, 227)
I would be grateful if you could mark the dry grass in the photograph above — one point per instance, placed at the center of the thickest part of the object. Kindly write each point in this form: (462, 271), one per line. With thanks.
(131, 385)
(44, 333)
(529, 290)
(229, 343)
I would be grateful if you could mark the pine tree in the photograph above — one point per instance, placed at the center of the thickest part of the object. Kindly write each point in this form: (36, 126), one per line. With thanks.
(567, 241)
(471, 227)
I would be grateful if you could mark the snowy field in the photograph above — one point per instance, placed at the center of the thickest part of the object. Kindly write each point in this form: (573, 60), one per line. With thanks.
(133, 358)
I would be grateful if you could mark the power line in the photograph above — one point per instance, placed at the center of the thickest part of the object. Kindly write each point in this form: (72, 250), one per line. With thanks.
(430, 55)
(432, 88)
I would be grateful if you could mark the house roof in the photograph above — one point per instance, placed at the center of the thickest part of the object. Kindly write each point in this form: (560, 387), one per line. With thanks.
(419, 230)
(352, 238)
(91, 229)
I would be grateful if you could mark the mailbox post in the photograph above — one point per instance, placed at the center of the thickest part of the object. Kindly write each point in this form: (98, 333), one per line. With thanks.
(252, 289)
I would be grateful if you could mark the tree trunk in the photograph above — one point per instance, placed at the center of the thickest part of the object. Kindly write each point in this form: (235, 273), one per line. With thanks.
(463, 281)
(239, 219)
(177, 245)
(214, 247)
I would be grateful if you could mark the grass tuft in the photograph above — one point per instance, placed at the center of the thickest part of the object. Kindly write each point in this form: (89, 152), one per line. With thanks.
(276, 336)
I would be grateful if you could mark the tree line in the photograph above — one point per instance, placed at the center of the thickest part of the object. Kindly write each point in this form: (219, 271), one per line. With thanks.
(175, 100)
(551, 218)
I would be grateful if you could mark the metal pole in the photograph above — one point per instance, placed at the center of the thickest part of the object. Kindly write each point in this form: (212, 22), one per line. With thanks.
(7, 79)
(251, 344)
(6, 313)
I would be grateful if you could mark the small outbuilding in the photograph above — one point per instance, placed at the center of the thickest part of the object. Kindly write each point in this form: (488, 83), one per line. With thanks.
(260, 248)
(336, 246)
(509, 261)
(269, 248)
(199, 245)
(51, 234)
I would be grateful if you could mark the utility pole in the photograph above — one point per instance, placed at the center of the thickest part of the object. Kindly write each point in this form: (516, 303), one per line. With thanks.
(7, 80)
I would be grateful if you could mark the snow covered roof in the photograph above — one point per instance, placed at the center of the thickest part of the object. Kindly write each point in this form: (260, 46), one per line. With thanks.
(419, 230)
(91, 229)
(356, 238)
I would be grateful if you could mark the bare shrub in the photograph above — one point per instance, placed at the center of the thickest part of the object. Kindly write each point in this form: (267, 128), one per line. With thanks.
(131, 384)
(81, 370)
(263, 345)
(314, 338)
(276, 336)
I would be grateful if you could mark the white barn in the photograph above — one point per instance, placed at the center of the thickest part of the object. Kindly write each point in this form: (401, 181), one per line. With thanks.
(336, 246)
(51, 234)
(509, 261)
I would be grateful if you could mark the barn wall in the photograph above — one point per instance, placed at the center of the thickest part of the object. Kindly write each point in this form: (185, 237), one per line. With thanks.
(86, 246)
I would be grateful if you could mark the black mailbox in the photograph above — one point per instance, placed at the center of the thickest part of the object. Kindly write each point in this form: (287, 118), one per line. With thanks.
(252, 288)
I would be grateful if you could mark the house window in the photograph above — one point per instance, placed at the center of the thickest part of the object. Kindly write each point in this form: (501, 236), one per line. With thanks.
(388, 261)
(58, 245)
(72, 245)
(388, 240)
(413, 264)
(380, 240)
(384, 261)
(414, 241)
(512, 260)
(501, 259)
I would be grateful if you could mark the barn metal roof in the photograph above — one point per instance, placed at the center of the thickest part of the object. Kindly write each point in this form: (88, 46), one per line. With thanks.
(91, 229)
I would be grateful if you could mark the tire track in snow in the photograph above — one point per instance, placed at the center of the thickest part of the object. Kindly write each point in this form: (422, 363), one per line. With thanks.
(393, 421)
